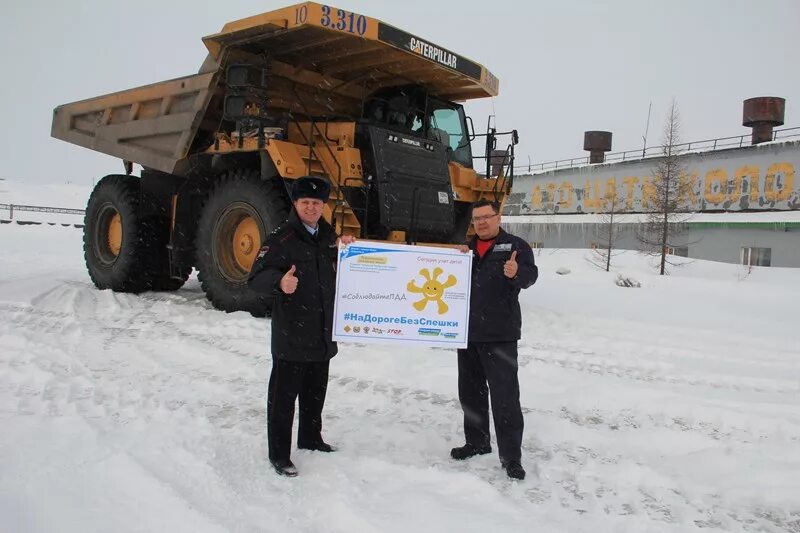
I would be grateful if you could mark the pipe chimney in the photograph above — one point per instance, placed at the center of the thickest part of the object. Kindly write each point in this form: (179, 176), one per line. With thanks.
(597, 143)
(762, 114)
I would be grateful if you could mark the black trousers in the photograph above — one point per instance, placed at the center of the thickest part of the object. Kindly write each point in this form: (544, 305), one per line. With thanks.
(289, 381)
(486, 368)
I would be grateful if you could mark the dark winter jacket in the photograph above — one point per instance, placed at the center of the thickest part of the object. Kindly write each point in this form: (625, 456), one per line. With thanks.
(494, 313)
(301, 321)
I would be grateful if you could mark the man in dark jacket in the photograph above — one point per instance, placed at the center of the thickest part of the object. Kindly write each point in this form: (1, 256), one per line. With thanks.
(296, 265)
(502, 265)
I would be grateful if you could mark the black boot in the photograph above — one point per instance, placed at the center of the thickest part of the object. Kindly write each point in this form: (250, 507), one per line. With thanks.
(514, 469)
(284, 467)
(468, 450)
(320, 446)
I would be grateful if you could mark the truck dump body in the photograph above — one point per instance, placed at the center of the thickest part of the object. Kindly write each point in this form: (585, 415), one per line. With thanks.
(152, 125)
(160, 125)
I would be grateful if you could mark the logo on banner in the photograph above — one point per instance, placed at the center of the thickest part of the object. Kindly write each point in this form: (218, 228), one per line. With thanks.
(432, 290)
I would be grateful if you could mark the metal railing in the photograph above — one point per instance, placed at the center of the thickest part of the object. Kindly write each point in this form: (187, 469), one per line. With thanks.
(40, 209)
(737, 141)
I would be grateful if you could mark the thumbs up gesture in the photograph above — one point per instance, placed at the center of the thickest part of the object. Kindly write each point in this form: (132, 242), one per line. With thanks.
(289, 281)
(510, 266)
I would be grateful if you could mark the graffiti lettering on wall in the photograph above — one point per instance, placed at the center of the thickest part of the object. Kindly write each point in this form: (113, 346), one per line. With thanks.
(731, 184)
(747, 188)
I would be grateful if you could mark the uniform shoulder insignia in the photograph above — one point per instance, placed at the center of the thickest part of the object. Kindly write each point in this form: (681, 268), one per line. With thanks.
(262, 252)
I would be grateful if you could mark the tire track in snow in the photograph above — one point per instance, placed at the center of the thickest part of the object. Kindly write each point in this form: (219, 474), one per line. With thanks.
(105, 387)
(564, 358)
(566, 470)
(170, 332)
(121, 386)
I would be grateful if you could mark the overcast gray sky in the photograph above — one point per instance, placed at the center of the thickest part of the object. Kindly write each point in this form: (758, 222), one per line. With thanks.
(564, 66)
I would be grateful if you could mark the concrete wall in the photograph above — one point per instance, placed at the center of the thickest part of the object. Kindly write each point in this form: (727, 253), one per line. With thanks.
(725, 244)
(758, 177)
(704, 241)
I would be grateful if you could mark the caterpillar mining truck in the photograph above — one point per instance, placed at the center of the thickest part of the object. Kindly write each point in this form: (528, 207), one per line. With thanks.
(304, 90)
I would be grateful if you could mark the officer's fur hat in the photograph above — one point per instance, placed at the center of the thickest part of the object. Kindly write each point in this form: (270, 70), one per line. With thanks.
(311, 187)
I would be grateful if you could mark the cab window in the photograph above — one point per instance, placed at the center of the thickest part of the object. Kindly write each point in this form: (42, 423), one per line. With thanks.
(447, 125)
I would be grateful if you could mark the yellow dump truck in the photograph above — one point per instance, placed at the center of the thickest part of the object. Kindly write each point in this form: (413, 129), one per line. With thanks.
(309, 89)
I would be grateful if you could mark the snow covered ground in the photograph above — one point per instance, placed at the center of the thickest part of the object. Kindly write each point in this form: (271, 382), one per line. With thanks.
(672, 407)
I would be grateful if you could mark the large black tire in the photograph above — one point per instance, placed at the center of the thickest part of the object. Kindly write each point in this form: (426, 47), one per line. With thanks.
(238, 215)
(116, 242)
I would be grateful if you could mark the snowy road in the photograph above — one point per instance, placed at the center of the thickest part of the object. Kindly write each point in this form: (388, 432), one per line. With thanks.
(674, 407)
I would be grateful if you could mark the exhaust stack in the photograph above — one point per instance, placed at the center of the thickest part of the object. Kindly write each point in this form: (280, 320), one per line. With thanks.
(762, 114)
(597, 143)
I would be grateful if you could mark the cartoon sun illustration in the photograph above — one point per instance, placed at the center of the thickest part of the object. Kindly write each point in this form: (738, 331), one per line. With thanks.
(432, 290)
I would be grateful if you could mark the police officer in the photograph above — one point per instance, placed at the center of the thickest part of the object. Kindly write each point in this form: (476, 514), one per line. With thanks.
(296, 266)
(502, 265)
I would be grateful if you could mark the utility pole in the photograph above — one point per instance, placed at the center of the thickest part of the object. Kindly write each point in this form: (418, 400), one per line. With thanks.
(646, 129)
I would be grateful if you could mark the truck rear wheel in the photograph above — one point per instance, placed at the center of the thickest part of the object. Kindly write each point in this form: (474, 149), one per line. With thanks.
(115, 245)
(238, 215)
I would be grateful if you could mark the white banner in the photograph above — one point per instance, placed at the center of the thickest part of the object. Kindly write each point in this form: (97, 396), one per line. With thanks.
(397, 293)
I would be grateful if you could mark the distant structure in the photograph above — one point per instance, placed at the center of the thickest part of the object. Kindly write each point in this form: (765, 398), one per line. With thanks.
(744, 191)
(762, 114)
(597, 143)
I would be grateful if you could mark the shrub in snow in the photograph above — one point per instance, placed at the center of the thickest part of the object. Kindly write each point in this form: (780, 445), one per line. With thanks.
(624, 281)
(563, 271)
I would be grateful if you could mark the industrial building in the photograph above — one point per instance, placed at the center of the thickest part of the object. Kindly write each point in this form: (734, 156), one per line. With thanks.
(742, 200)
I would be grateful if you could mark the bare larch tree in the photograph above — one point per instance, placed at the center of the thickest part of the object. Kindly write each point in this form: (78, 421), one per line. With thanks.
(608, 230)
(664, 219)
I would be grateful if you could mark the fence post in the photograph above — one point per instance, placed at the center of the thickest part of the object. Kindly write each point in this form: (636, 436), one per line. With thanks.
(11, 211)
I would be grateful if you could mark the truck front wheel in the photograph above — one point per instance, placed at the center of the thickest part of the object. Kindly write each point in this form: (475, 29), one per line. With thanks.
(239, 213)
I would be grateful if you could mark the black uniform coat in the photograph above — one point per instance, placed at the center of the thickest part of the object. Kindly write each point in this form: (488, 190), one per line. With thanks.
(494, 314)
(302, 322)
